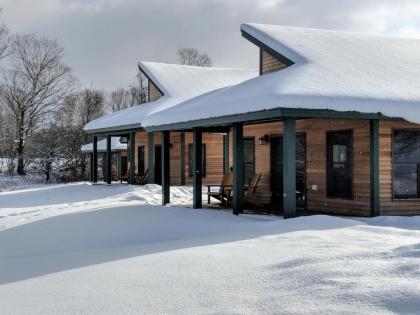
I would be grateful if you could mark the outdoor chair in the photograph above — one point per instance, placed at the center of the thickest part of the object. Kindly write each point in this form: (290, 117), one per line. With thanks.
(225, 189)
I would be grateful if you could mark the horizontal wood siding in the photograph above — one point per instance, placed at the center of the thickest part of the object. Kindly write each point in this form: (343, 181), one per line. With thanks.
(387, 204)
(154, 93)
(214, 159)
(270, 63)
(315, 131)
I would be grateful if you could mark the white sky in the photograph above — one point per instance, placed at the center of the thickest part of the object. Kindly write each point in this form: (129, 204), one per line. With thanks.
(104, 39)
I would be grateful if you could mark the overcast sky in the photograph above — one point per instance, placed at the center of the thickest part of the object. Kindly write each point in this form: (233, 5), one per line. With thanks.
(104, 39)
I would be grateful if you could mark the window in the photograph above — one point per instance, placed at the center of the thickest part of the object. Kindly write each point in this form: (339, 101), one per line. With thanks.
(406, 164)
(140, 160)
(190, 160)
(249, 159)
(339, 164)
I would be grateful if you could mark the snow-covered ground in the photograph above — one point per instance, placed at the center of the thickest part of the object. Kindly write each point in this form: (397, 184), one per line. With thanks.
(112, 249)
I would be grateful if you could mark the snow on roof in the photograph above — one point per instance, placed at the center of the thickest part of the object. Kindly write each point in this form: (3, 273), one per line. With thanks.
(178, 83)
(333, 70)
(116, 145)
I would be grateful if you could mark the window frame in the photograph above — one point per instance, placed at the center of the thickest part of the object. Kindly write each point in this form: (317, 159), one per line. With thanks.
(254, 156)
(329, 166)
(394, 198)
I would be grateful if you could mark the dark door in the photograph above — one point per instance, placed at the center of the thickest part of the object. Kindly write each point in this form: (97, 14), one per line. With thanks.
(339, 164)
(158, 165)
(124, 165)
(276, 161)
(140, 160)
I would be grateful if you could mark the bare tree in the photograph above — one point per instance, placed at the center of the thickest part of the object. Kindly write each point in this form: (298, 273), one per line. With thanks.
(4, 40)
(35, 84)
(192, 57)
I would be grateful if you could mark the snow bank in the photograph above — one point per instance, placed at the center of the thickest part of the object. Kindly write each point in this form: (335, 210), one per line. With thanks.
(333, 70)
(129, 257)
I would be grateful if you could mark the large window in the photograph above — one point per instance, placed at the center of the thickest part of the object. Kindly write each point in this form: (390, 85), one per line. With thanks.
(249, 159)
(140, 160)
(406, 164)
(339, 164)
(190, 160)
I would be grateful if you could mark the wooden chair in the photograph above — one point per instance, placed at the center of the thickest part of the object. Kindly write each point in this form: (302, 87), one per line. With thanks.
(225, 189)
(142, 179)
(251, 188)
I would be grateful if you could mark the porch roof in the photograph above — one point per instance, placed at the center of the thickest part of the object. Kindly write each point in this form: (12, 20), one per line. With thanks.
(177, 84)
(333, 73)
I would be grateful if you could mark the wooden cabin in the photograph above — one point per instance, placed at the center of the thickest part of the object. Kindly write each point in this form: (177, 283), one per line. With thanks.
(330, 123)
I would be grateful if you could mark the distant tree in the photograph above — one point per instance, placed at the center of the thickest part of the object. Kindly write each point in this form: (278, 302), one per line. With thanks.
(4, 40)
(35, 84)
(192, 57)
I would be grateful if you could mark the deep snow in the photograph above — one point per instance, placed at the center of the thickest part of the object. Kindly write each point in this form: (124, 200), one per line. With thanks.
(102, 249)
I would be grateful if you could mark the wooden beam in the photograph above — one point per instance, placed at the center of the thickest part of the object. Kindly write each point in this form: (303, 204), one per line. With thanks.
(95, 160)
(226, 153)
(108, 160)
(132, 157)
(374, 168)
(151, 157)
(166, 173)
(238, 168)
(289, 168)
(197, 168)
(182, 158)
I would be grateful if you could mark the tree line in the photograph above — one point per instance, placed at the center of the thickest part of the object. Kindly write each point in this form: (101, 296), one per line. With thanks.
(43, 112)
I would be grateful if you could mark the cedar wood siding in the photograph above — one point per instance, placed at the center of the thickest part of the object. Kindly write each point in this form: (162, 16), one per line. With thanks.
(270, 63)
(214, 156)
(154, 93)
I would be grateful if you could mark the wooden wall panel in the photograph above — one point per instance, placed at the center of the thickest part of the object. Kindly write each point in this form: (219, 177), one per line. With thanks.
(270, 63)
(154, 93)
(387, 204)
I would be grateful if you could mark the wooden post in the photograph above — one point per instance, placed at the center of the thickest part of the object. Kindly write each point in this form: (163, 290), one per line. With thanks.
(197, 168)
(151, 158)
(238, 168)
(132, 157)
(166, 174)
(226, 153)
(374, 168)
(108, 160)
(289, 168)
(95, 160)
(182, 158)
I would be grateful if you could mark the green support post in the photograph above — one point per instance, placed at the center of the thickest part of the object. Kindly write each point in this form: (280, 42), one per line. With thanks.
(95, 160)
(238, 168)
(289, 168)
(226, 153)
(132, 157)
(151, 157)
(197, 168)
(374, 168)
(166, 173)
(182, 158)
(108, 160)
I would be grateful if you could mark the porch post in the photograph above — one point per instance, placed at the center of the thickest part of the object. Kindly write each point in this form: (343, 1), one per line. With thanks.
(182, 158)
(108, 160)
(289, 168)
(91, 166)
(95, 160)
(132, 157)
(238, 168)
(151, 157)
(197, 168)
(226, 153)
(165, 167)
(374, 168)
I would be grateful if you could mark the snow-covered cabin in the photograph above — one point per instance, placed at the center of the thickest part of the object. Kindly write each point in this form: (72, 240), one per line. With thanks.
(332, 123)
(169, 85)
